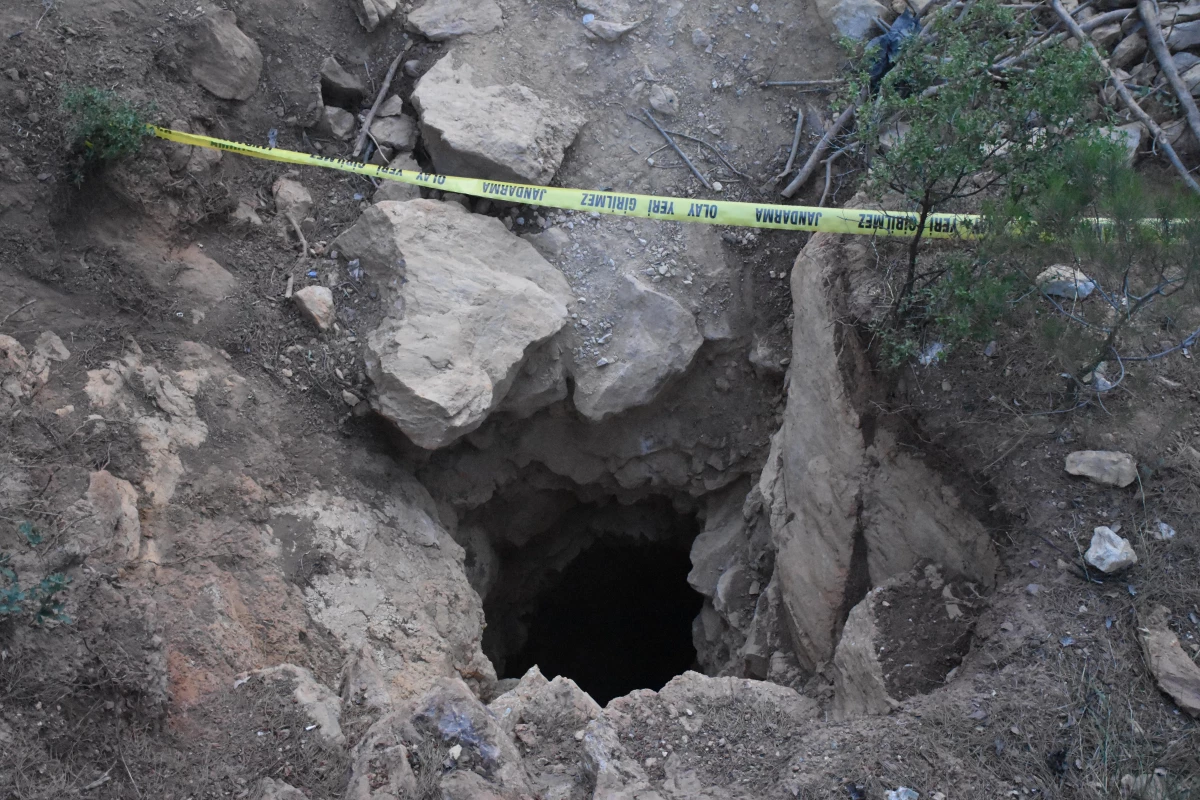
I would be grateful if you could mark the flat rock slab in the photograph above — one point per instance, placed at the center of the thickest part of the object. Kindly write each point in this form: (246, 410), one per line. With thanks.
(467, 302)
(222, 59)
(439, 20)
(1177, 675)
(656, 340)
(398, 133)
(1106, 467)
(500, 132)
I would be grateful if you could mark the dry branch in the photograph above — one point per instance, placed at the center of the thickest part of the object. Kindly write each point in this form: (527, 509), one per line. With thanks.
(1157, 132)
(1159, 46)
(810, 166)
(383, 90)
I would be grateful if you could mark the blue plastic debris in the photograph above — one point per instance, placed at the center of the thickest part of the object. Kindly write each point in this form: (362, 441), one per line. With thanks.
(312, 273)
(587, 18)
(272, 137)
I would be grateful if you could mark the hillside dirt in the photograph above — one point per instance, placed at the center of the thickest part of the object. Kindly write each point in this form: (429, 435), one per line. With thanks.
(206, 468)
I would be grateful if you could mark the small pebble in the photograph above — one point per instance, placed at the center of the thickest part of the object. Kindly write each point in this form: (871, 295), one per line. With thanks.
(717, 186)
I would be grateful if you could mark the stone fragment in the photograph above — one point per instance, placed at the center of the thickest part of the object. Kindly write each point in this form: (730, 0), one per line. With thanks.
(371, 13)
(114, 506)
(1128, 51)
(1106, 35)
(362, 681)
(1129, 137)
(468, 302)
(291, 199)
(398, 133)
(1064, 281)
(655, 342)
(1183, 36)
(392, 107)
(337, 123)
(439, 20)
(246, 214)
(498, 132)
(550, 243)
(395, 190)
(1109, 552)
(222, 59)
(316, 303)
(339, 87)
(1174, 671)
(854, 19)
(608, 30)
(271, 789)
(51, 347)
(664, 100)
(1106, 467)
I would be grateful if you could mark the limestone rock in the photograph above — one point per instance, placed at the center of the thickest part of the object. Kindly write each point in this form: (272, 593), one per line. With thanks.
(439, 20)
(1106, 467)
(1129, 137)
(51, 347)
(656, 342)
(610, 30)
(859, 689)
(271, 789)
(339, 87)
(469, 302)
(315, 699)
(854, 19)
(398, 133)
(551, 242)
(335, 122)
(222, 59)
(316, 303)
(392, 107)
(664, 100)
(395, 190)
(1109, 552)
(291, 198)
(498, 132)
(1064, 281)
(371, 13)
(115, 513)
(1176, 674)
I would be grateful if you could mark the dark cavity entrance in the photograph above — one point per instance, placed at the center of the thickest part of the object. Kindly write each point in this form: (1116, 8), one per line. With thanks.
(601, 597)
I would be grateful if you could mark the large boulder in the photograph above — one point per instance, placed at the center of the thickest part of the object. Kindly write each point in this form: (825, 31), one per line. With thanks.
(655, 341)
(222, 59)
(500, 132)
(469, 301)
(439, 20)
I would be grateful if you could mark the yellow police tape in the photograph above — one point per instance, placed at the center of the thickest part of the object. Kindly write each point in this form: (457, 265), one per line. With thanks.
(711, 212)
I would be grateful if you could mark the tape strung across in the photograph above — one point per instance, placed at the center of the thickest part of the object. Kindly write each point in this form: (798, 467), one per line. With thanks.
(712, 212)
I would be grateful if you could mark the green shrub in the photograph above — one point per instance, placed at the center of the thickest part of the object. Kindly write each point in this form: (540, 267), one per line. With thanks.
(41, 602)
(104, 128)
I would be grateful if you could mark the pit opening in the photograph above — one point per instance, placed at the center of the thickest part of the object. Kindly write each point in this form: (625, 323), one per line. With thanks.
(600, 595)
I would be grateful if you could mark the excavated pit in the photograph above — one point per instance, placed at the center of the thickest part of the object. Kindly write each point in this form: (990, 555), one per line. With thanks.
(600, 596)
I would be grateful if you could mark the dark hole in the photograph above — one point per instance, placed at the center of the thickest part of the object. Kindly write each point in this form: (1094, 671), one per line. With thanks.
(616, 617)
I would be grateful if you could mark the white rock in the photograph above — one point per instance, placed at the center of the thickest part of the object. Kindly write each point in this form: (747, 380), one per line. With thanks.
(499, 132)
(467, 302)
(610, 31)
(392, 107)
(656, 341)
(398, 133)
(371, 13)
(438, 20)
(350, 398)
(291, 198)
(1173, 669)
(50, 346)
(1061, 280)
(395, 190)
(316, 303)
(335, 122)
(1163, 532)
(664, 100)
(1109, 552)
(222, 59)
(1129, 137)
(1103, 466)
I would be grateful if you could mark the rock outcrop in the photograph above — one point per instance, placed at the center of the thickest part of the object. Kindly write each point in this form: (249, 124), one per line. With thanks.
(222, 59)
(848, 509)
(468, 302)
(657, 341)
(488, 131)
(372, 13)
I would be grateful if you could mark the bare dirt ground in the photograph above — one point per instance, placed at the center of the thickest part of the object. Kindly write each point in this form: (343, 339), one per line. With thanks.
(131, 698)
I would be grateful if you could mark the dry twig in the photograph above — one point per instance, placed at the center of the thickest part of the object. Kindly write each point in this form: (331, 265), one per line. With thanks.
(1156, 131)
(383, 89)
(1154, 36)
(795, 146)
(678, 152)
(810, 166)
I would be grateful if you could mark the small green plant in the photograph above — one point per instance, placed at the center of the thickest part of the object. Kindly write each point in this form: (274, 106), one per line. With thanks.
(965, 120)
(104, 127)
(42, 601)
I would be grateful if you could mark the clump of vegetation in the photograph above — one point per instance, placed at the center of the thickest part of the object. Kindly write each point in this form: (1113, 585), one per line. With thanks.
(956, 125)
(41, 602)
(104, 128)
